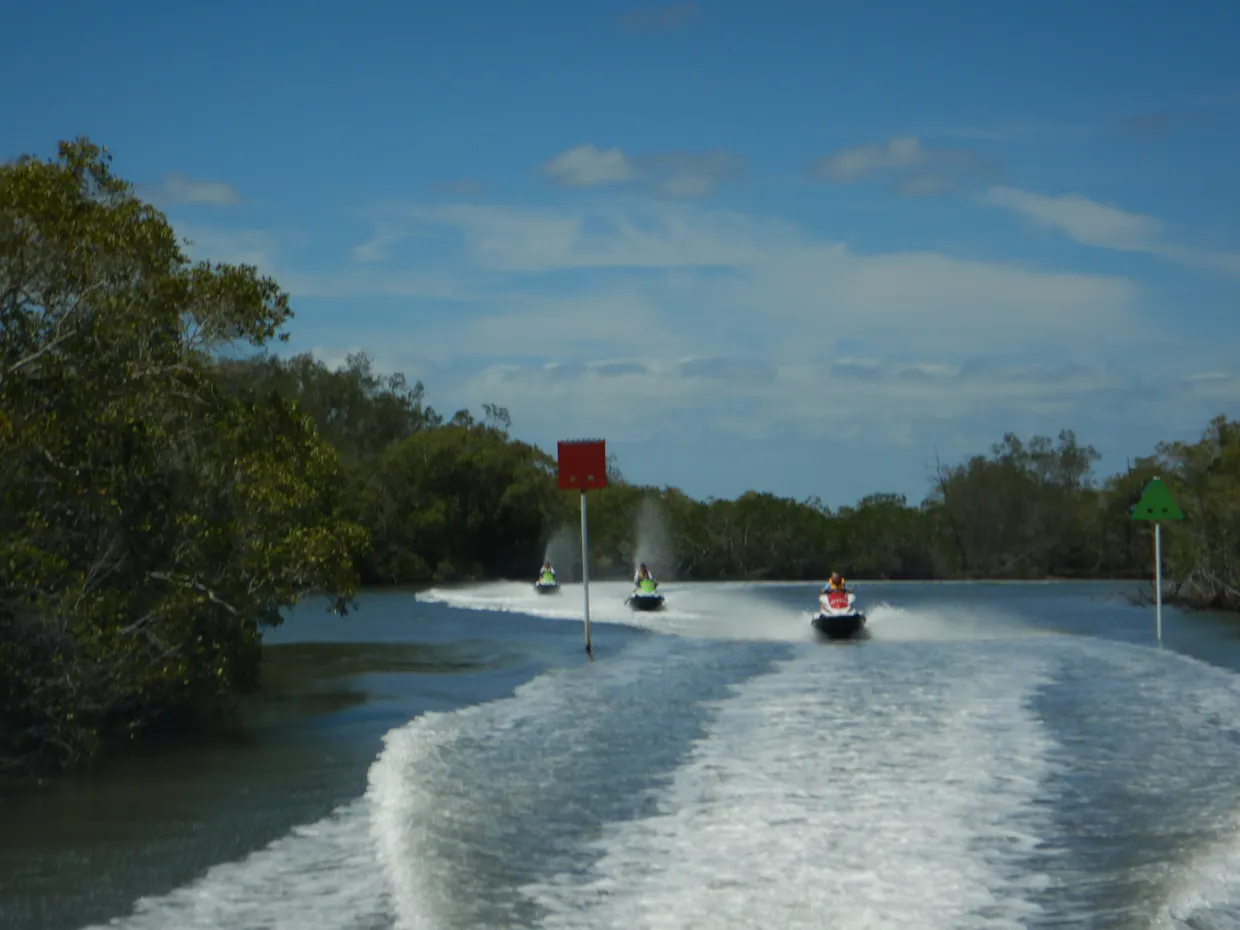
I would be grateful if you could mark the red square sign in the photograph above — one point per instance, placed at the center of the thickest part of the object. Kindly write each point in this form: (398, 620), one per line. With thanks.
(583, 464)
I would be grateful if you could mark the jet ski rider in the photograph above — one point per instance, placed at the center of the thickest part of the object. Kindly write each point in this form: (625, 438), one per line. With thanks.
(643, 574)
(547, 574)
(835, 584)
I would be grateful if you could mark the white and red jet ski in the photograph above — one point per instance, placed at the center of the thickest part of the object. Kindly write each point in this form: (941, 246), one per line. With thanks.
(838, 616)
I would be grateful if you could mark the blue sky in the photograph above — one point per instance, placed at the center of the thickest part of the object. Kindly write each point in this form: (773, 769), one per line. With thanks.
(790, 247)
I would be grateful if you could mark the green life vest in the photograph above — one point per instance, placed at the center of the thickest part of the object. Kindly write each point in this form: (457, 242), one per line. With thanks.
(548, 578)
(647, 585)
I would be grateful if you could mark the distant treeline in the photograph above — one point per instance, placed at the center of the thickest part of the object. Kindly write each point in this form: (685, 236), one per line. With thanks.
(454, 499)
(159, 504)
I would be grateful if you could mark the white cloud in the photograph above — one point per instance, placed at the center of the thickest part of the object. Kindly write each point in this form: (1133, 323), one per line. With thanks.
(677, 291)
(742, 403)
(521, 240)
(861, 161)
(350, 284)
(1104, 226)
(711, 280)
(928, 298)
(676, 174)
(914, 169)
(178, 189)
(683, 279)
(560, 328)
(376, 248)
(1081, 219)
(1217, 386)
(634, 399)
(589, 166)
(334, 358)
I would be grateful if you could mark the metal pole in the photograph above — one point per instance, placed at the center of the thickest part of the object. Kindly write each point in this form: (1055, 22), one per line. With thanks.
(1158, 577)
(585, 568)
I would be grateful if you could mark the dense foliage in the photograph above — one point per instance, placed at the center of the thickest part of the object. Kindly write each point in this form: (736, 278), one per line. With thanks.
(160, 502)
(148, 519)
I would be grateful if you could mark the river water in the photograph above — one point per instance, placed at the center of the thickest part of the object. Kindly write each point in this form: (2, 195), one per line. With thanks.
(993, 756)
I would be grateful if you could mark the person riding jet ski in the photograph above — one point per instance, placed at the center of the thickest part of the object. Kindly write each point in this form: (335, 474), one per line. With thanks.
(643, 580)
(837, 586)
(838, 616)
(547, 575)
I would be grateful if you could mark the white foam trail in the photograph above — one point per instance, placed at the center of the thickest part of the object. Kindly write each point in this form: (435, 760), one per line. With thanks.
(855, 788)
(1184, 701)
(1206, 890)
(826, 796)
(411, 821)
(732, 610)
(699, 609)
(383, 861)
(941, 622)
(461, 800)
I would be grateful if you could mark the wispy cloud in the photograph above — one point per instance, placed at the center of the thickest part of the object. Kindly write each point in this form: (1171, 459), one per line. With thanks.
(676, 174)
(708, 280)
(653, 318)
(744, 323)
(178, 189)
(718, 401)
(774, 398)
(376, 248)
(1105, 226)
(1081, 219)
(268, 251)
(510, 239)
(666, 18)
(910, 167)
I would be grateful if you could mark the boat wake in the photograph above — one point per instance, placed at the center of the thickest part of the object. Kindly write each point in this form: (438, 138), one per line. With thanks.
(944, 780)
(696, 609)
(736, 611)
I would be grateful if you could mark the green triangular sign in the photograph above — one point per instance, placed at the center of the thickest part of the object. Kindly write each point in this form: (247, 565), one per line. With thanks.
(1157, 504)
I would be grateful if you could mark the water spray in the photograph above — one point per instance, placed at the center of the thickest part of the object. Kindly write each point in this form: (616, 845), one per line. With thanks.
(654, 541)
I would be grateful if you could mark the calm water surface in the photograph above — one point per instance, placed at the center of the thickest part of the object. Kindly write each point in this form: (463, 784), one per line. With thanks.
(1008, 755)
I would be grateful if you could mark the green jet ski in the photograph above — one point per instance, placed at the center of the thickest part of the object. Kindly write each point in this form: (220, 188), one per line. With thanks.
(547, 583)
(646, 597)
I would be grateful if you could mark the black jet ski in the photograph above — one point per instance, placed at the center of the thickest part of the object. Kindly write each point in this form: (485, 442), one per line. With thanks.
(547, 585)
(645, 597)
(838, 616)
